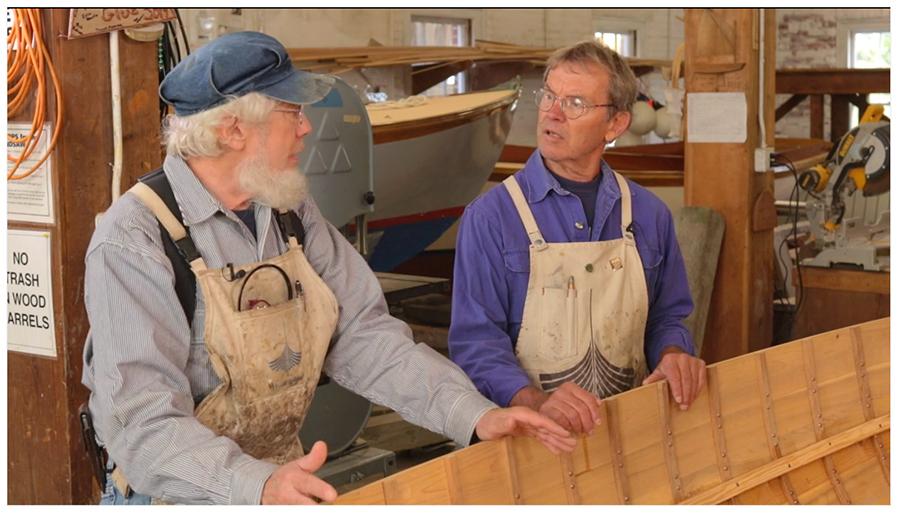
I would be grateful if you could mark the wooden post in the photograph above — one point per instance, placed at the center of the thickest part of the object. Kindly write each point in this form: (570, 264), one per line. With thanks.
(47, 462)
(816, 116)
(722, 55)
(840, 116)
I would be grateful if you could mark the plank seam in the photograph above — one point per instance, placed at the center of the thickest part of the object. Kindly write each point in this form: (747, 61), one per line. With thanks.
(516, 493)
(772, 427)
(568, 476)
(715, 413)
(615, 452)
(865, 398)
(454, 490)
(809, 366)
(668, 440)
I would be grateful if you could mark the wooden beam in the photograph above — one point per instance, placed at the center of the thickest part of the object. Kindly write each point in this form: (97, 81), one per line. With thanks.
(817, 116)
(846, 280)
(656, 157)
(788, 105)
(840, 116)
(504, 169)
(800, 149)
(834, 80)
(47, 461)
(740, 314)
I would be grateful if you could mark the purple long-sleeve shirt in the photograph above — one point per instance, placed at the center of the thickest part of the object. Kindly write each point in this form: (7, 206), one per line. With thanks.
(490, 276)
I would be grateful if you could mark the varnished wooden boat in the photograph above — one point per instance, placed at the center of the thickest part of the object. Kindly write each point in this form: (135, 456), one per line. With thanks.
(805, 422)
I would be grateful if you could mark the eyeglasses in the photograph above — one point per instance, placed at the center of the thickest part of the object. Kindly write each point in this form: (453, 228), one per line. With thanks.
(572, 107)
(298, 113)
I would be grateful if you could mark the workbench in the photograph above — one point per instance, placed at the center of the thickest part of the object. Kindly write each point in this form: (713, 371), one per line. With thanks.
(834, 298)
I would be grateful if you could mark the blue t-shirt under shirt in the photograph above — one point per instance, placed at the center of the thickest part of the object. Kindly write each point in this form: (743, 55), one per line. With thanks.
(248, 216)
(587, 192)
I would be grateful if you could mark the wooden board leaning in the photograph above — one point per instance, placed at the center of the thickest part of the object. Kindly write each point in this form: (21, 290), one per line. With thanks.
(806, 422)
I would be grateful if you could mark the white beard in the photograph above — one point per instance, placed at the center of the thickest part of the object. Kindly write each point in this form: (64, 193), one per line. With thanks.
(279, 189)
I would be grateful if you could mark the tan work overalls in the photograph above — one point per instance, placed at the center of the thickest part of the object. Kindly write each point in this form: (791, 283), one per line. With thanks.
(267, 329)
(585, 308)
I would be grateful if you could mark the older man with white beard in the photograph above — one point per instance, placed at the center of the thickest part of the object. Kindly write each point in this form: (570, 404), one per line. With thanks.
(204, 405)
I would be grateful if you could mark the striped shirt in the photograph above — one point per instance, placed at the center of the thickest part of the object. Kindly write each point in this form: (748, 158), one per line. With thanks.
(147, 369)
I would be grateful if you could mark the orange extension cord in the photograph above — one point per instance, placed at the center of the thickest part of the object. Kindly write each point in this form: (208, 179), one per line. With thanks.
(25, 71)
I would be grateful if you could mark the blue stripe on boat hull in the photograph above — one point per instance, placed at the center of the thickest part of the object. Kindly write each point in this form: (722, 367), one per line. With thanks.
(402, 242)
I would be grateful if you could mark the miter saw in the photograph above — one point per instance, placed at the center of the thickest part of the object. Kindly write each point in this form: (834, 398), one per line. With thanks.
(860, 161)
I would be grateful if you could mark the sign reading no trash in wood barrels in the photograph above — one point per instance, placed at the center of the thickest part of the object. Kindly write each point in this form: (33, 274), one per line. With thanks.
(29, 293)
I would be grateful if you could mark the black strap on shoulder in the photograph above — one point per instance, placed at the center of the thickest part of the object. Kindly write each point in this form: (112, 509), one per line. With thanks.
(183, 251)
(180, 253)
(290, 225)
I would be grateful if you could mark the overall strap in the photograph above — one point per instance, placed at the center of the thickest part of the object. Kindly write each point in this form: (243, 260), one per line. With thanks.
(518, 199)
(291, 227)
(627, 231)
(155, 192)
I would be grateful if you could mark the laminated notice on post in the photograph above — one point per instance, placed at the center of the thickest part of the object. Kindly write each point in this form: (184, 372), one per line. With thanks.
(29, 199)
(716, 117)
(29, 293)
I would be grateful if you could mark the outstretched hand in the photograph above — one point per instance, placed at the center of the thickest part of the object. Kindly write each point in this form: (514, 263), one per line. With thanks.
(497, 423)
(294, 482)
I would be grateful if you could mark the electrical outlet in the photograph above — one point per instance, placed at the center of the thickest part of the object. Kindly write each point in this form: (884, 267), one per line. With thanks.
(761, 157)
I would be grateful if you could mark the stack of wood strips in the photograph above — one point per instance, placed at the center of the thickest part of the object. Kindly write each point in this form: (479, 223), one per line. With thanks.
(341, 59)
(805, 422)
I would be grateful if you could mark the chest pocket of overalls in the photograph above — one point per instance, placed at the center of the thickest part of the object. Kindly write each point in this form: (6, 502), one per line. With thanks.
(271, 323)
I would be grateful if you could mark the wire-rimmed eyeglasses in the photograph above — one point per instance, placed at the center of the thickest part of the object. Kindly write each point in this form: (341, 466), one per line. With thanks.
(298, 113)
(572, 107)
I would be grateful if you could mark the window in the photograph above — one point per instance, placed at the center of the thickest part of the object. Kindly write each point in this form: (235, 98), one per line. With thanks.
(870, 49)
(443, 32)
(624, 43)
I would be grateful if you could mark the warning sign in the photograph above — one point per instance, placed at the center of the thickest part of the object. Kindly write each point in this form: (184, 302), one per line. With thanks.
(29, 293)
(29, 199)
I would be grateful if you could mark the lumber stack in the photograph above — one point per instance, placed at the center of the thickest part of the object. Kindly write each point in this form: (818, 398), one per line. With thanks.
(805, 422)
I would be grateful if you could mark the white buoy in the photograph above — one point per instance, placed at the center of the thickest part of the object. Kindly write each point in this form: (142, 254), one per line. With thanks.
(663, 123)
(643, 118)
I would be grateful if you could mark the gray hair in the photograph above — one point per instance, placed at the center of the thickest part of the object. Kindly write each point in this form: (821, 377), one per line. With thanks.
(623, 85)
(195, 135)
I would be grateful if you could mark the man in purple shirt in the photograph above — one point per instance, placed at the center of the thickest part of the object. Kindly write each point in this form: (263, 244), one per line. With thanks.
(527, 325)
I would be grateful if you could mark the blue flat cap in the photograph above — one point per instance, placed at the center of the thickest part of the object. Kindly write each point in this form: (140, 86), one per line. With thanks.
(236, 64)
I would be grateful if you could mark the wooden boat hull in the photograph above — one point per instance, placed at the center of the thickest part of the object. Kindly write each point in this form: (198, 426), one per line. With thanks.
(429, 166)
(805, 422)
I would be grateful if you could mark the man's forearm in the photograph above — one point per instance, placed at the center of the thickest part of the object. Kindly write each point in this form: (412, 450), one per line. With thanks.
(529, 396)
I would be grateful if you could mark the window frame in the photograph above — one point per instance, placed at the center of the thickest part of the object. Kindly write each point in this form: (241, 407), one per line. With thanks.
(846, 28)
(622, 25)
(440, 18)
